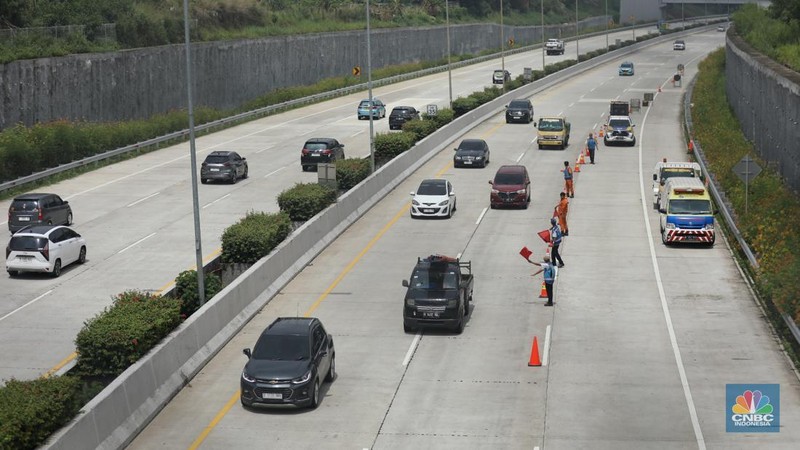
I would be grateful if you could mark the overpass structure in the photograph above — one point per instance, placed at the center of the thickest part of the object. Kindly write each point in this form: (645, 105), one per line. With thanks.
(632, 11)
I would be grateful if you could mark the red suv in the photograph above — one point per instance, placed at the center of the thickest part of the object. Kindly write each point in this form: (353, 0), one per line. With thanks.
(511, 187)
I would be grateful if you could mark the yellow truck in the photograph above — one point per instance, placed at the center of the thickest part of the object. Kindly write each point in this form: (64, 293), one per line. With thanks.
(553, 132)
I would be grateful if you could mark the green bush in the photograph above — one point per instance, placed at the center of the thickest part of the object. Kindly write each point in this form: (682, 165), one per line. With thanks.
(186, 290)
(420, 128)
(539, 74)
(389, 145)
(463, 105)
(486, 95)
(305, 200)
(124, 332)
(442, 117)
(254, 237)
(350, 172)
(32, 410)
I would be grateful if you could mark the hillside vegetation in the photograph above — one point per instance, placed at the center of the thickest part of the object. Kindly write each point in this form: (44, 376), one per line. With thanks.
(774, 31)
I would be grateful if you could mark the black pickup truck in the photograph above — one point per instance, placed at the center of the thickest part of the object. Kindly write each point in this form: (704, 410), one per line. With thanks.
(439, 293)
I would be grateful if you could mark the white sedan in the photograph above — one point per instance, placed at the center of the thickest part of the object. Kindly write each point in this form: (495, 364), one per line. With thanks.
(434, 198)
(44, 248)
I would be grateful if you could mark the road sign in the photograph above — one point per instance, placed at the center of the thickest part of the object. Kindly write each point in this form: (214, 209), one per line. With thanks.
(527, 73)
(510, 42)
(432, 110)
(356, 71)
(747, 169)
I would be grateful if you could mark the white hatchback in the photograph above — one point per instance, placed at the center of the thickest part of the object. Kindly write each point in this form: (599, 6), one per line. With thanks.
(45, 249)
(434, 198)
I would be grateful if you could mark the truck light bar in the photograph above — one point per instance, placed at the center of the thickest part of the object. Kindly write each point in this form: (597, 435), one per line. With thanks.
(689, 190)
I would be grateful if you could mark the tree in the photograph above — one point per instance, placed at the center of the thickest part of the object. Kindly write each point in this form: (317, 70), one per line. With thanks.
(785, 10)
(12, 13)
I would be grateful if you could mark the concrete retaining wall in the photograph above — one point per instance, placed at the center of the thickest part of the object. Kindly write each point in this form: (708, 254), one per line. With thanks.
(134, 84)
(765, 97)
(113, 418)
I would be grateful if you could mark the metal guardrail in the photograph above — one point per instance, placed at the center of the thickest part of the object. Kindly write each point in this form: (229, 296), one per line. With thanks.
(271, 109)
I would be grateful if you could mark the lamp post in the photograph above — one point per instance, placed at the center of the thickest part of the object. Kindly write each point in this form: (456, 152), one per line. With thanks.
(683, 18)
(607, 25)
(543, 40)
(371, 104)
(198, 248)
(502, 46)
(577, 35)
(449, 69)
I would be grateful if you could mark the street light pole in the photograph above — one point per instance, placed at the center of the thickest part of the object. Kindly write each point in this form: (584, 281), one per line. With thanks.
(198, 248)
(449, 69)
(577, 35)
(371, 104)
(607, 24)
(543, 40)
(502, 46)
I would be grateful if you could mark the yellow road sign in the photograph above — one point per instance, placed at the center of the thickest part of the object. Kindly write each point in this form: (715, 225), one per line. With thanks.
(356, 71)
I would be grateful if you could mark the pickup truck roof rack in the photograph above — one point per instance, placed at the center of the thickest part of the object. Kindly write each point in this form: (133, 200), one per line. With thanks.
(432, 259)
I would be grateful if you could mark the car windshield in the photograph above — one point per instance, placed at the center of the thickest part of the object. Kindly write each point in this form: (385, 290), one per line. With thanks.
(24, 205)
(470, 145)
(216, 159)
(365, 104)
(517, 104)
(626, 66)
(619, 123)
(498, 73)
(505, 179)
(672, 173)
(26, 243)
(434, 279)
(282, 348)
(689, 206)
(550, 125)
(316, 145)
(400, 111)
(432, 189)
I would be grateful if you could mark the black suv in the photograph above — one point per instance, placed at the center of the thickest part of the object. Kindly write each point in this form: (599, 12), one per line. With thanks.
(228, 166)
(401, 115)
(320, 150)
(38, 209)
(288, 364)
(471, 153)
(519, 110)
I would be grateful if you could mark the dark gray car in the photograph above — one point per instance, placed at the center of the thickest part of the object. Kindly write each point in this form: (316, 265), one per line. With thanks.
(226, 166)
(38, 209)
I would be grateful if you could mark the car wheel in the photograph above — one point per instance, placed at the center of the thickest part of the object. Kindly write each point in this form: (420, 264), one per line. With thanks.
(12, 273)
(82, 256)
(57, 269)
(246, 174)
(332, 371)
(407, 328)
(69, 219)
(664, 238)
(203, 180)
(540, 146)
(460, 325)
(450, 213)
(245, 405)
(492, 206)
(315, 395)
(508, 120)
(234, 178)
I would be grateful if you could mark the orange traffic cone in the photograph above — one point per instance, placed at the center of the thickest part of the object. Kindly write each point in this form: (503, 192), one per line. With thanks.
(600, 134)
(586, 151)
(535, 360)
(581, 160)
(543, 293)
(577, 167)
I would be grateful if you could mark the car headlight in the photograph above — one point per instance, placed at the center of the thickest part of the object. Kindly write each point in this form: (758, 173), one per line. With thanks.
(479, 157)
(247, 377)
(444, 203)
(495, 191)
(709, 226)
(521, 191)
(414, 202)
(410, 301)
(452, 303)
(458, 158)
(670, 226)
(630, 129)
(302, 379)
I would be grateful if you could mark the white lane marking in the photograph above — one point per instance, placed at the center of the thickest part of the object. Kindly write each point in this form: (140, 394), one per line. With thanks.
(521, 155)
(23, 306)
(142, 199)
(687, 392)
(535, 140)
(594, 126)
(592, 89)
(3, 223)
(125, 177)
(560, 113)
(366, 156)
(354, 135)
(458, 256)
(265, 149)
(571, 105)
(215, 201)
(136, 243)
(546, 349)
(275, 171)
(411, 349)
(483, 213)
(601, 114)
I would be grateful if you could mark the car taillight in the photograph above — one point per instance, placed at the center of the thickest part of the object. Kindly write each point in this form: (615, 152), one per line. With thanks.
(305, 151)
(45, 251)
(227, 164)
(326, 152)
(41, 217)
(8, 250)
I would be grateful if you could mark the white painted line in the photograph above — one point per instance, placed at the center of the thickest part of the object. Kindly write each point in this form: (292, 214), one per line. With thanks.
(143, 199)
(483, 213)
(23, 306)
(265, 149)
(215, 201)
(520, 156)
(546, 349)
(125, 177)
(560, 113)
(274, 171)
(687, 392)
(136, 243)
(458, 256)
(571, 105)
(536, 139)
(354, 135)
(536, 448)
(594, 126)
(3, 223)
(410, 352)
(365, 156)
(601, 114)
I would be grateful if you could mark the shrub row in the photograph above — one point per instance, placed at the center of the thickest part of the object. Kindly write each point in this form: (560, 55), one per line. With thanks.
(117, 337)
(350, 172)
(304, 200)
(186, 290)
(32, 410)
(254, 237)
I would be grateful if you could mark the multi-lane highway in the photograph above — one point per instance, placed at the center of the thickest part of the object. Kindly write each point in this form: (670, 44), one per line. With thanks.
(137, 217)
(637, 350)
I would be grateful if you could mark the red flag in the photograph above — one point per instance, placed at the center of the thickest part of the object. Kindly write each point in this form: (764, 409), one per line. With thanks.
(545, 235)
(526, 253)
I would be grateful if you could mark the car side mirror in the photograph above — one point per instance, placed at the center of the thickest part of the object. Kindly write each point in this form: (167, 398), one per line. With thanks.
(715, 211)
(662, 210)
(247, 353)
(455, 149)
(655, 177)
(452, 194)
(65, 202)
(412, 194)
(535, 124)
(342, 145)
(405, 283)
(491, 182)
(663, 182)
